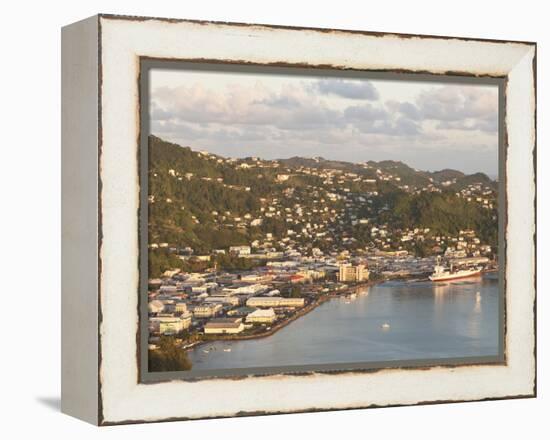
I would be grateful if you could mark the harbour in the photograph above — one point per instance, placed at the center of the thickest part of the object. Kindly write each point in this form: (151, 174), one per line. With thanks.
(394, 320)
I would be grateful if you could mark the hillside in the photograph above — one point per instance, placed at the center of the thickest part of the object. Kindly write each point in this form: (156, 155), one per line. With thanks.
(206, 202)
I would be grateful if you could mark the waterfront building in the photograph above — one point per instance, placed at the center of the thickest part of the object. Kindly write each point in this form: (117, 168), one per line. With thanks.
(224, 325)
(274, 301)
(262, 316)
(350, 273)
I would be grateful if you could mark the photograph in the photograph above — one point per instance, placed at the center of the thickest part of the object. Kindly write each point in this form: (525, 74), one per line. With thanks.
(245, 219)
(302, 220)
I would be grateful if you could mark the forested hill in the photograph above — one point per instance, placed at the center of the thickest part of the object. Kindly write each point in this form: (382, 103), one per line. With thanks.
(206, 202)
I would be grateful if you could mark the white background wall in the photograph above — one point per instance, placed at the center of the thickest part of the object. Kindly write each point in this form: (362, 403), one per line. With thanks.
(30, 217)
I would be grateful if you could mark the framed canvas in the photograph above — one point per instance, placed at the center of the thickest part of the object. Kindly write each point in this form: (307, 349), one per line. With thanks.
(264, 219)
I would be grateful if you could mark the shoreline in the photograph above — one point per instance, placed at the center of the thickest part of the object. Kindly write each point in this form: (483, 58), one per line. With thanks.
(309, 308)
(280, 325)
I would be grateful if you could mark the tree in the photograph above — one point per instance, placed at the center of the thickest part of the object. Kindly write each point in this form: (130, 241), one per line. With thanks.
(293, 292)
(168, 357)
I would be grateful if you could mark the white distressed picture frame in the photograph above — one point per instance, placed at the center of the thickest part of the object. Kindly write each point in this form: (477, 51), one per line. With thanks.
(100, 135)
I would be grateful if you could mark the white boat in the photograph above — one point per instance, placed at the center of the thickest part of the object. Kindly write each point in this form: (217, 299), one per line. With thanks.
(441, 273)
(385, 326)
(227, 349)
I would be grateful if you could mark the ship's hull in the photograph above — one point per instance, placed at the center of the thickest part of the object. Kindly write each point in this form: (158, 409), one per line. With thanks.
(455, 276)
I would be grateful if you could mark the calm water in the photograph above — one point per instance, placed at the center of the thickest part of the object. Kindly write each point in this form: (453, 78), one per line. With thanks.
(427, 321)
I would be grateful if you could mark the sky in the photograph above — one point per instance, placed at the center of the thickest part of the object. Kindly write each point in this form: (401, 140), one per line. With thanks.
(428, 125)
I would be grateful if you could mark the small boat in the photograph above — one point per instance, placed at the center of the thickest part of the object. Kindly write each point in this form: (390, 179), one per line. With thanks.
(205, 351)
(478, 296)
(385, 326)
(227, 349)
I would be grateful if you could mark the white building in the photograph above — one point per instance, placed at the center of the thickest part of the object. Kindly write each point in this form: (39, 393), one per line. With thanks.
(156, 306)
(350, 273)
(250, 289)
(170, 325)
(230, 300)
(262, 316)
(239, 250)
(207, 310)
(180, 307)
(224, 326)
(274, 301)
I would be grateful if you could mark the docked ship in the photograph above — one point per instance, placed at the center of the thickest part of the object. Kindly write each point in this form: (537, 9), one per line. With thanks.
(441, 273)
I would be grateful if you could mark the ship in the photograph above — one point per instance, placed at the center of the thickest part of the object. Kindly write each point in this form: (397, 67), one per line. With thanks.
(441, 273)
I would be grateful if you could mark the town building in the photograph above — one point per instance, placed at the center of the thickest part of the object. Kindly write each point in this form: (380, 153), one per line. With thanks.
(262, 316)
(207, 310)
(156, 306)
(180, 307)
(169, 324)
(350, 273)
(239, 250)
(229, 300)
(224, 326)
(274, 301)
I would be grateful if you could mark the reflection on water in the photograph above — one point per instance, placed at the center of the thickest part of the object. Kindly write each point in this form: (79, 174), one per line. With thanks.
(395, 320)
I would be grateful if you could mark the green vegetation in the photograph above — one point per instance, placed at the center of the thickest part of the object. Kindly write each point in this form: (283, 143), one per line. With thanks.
(168, 357)
(206, 202)
(292, 292)
(228, 262)
(161, 260)
(444, 213)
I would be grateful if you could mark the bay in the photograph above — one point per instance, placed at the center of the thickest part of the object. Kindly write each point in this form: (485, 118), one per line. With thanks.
(391, 321)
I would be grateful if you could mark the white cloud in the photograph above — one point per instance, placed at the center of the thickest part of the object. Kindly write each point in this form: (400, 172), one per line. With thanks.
(346, 119)
(351, 89)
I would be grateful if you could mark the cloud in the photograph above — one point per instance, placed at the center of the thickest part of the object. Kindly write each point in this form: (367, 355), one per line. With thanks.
(489, 124)
(399, 127)
(466, 108)
(453, 103)
(290, 108)
(365, 112)
(370, 119)
(407, 109)
(281, 101)
(310, 118)
(350, 89)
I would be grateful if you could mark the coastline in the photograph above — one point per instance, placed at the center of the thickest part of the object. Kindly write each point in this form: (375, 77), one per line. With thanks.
(417, 314)
(307, 309)
(280, 325)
